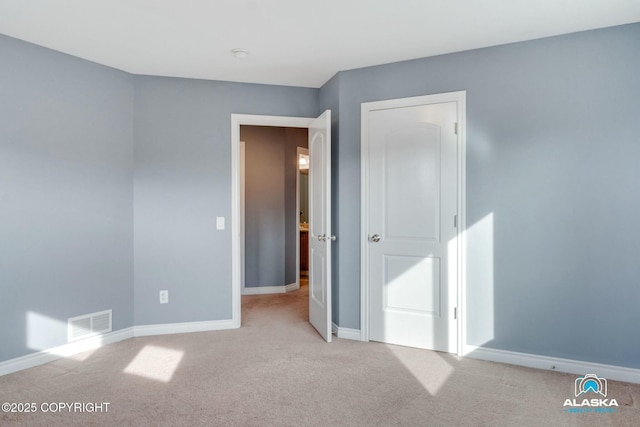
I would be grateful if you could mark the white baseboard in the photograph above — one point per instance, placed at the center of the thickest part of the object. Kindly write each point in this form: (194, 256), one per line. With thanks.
(346, 333)
(569, 366)
(264, 290)
(66, 350)
(292, 287)
(182, 328)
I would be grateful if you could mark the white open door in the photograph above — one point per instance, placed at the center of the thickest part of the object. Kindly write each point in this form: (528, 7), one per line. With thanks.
(320, 236)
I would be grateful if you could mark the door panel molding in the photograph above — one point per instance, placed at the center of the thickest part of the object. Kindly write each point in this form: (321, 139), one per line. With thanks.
(366, 108)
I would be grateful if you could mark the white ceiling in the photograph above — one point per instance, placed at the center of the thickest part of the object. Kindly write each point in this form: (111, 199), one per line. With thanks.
(290, 42)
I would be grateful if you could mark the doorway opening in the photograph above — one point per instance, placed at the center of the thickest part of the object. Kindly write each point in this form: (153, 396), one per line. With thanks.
(320, 237)
(273, 217)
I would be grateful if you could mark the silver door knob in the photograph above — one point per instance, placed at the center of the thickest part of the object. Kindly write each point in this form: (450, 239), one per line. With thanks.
(324, 237)
(375, 238)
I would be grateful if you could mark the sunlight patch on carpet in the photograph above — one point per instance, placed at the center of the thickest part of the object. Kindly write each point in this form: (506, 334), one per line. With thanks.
(429, 368)
(155, 363)
(81, 357)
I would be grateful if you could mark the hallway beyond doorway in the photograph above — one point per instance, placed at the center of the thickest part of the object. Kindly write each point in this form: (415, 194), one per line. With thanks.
(276, 309)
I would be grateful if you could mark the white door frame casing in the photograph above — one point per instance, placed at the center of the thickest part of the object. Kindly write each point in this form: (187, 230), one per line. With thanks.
(238, 120)
(460, 99)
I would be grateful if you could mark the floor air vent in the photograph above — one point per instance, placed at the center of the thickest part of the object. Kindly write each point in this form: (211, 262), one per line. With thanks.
(89, 325)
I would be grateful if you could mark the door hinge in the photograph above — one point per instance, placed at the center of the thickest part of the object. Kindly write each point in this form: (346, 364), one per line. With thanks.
(455, 128)
(455, 312)
(455, 221)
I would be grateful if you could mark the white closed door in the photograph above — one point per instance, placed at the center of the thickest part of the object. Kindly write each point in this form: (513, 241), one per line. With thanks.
(320, 236)
(411, 202)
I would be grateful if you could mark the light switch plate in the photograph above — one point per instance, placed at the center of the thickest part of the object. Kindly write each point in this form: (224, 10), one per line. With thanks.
(164, 297)
(220, 223)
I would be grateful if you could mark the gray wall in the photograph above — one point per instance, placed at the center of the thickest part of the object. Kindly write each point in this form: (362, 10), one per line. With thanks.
(183, 182)
(264, 206)
(67, 161)
(270, 204)
(552, 189)
(66, 201)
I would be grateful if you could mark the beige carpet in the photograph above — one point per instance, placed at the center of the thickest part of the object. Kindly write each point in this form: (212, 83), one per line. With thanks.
(276, 371)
